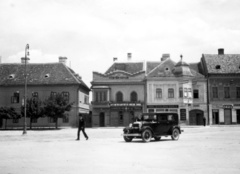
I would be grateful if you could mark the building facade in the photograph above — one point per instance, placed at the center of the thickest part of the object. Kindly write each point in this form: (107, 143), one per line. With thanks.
(118, 94)
(176, 87)
(223, 76)
(128, 89)
(43, 80)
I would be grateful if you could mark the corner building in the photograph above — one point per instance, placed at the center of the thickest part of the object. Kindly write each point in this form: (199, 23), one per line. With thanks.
(223, 76)
(177, 87)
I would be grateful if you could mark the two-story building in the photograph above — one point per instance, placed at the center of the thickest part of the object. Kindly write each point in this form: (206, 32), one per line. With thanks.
(223, 77)
(176, 87)
(118, 94)
(43, 80)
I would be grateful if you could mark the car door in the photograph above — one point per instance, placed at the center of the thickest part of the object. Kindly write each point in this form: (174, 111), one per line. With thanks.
(162, 124)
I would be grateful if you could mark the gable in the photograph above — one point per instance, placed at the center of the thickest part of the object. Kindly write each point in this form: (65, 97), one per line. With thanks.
(164, 69)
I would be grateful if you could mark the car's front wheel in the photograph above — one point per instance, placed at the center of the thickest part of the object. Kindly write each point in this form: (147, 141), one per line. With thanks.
(175, 134)
(128, 139)
(146, 135)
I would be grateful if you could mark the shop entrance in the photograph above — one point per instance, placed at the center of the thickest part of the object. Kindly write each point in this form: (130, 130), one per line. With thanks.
(196, 117)
(215, 116)
(228, 116)
(102, 119)
(238, 116)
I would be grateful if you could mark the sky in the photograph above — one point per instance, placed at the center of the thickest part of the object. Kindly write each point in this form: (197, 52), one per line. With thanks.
(91, 32)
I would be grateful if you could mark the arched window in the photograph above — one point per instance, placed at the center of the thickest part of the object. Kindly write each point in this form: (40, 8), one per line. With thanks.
(158, 93)
(170, 93)
(134, 97)
(119, 97)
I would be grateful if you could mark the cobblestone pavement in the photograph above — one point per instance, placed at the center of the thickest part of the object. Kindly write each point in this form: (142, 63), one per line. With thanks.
(199, 150)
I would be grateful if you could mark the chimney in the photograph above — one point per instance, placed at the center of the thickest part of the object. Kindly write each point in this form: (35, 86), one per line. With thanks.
(63, 60)
(165, 56)
(129, 55)
(220, 51)
(23, 59)
(115, 59)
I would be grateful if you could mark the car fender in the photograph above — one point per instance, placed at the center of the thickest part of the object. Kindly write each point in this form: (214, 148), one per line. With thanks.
(146, 127)
(175, 127)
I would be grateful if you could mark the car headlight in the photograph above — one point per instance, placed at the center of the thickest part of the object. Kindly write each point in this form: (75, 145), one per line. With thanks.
(130, 125)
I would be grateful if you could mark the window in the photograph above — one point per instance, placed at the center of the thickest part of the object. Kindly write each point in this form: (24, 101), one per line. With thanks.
(183, 114)
(15, 120)
(185, 93)
(170, 93)
(134, 97)
(65, 95)
(66, 119)
(215, 92)
(86, 99)
(189, 93)
(119, 97)
(15, 97)
(35, 94)
(195, 93)
(34, 120)
(226, 92)
(238, 92)
(52, 120)
(53, 94)
(180, 93)
(158, 93)
(150, 110)
(101, 96)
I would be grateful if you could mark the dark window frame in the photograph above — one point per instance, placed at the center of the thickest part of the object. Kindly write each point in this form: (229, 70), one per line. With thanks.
(119, 96)
(133, 97)
(196, 94)
(170, 93)
(159, 93)
(227, 92)
(215, 92)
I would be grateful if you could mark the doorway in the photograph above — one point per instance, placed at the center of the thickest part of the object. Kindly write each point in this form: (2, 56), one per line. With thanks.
(228, 116)
(238, 116)
(102, 119)
(196, 117)
(215, 116)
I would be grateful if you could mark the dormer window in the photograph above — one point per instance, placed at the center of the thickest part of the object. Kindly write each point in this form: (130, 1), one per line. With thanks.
(218, 67)
(11, 76)
(47, 75)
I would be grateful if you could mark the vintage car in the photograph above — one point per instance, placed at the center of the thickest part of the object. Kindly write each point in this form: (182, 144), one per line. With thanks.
(153, 125)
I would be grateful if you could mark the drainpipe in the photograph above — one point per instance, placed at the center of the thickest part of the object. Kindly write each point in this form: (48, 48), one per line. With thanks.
(208, 100)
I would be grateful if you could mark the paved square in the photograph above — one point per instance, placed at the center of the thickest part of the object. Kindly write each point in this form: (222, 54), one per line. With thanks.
(198, 150)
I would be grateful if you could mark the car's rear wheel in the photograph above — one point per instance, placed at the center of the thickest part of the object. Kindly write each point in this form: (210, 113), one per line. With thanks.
(157, 138)
(175, 134)
(146, 135)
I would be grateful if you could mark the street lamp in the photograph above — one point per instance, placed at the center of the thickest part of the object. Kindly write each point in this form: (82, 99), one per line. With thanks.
(25, 90)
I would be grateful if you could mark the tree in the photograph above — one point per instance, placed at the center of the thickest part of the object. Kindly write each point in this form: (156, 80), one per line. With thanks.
(56, 106)
(33, 110)
(8, 113)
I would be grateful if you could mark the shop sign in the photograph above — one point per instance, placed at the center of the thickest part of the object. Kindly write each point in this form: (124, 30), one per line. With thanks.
(227, 106)
(162, 106)
(237, 105)
(125, 104)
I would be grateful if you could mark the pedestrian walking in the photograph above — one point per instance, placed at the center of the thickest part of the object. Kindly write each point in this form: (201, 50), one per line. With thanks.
(81, 127)
(204, 121)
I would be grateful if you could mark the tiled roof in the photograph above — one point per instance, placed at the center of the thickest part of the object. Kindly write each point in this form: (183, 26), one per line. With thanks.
(164, 68)
(222, 64)
(151, 65)
(129, 67)
(38, 74)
